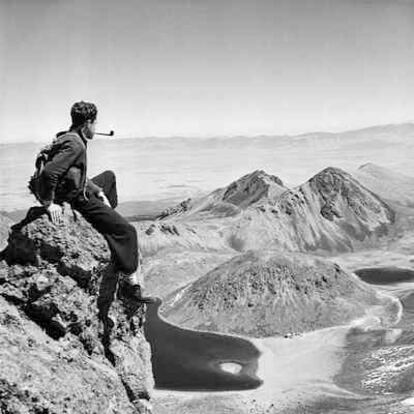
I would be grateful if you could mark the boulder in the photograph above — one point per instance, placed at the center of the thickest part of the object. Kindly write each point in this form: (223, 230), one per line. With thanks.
(49, 280)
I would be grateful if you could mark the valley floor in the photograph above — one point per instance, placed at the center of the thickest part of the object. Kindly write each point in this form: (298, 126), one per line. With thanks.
(302, 374)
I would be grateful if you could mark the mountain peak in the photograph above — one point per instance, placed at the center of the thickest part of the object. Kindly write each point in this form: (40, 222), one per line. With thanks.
(331, 171)
(252, 187)
(231, 200)
(368, 166)
(331, 180)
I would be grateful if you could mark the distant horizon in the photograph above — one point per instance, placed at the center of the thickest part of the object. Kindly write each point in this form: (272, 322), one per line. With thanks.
(206, 137)
(205, 69)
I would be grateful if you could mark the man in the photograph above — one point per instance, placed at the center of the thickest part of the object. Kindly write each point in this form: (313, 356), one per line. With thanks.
(64, 179)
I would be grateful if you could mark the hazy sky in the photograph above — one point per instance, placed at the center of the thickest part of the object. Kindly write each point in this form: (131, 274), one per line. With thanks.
(205, 67)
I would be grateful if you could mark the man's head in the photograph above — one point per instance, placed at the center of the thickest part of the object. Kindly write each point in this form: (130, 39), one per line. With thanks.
(83, 116)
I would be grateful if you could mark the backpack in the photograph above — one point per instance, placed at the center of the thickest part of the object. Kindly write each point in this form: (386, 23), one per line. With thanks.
(67, 188)
(42, 158)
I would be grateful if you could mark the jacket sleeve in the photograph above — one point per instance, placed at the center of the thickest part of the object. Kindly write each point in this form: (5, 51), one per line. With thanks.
(64, 158)
(91, 187)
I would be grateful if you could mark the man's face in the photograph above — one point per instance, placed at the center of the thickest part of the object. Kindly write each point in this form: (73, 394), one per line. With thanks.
(89, 129)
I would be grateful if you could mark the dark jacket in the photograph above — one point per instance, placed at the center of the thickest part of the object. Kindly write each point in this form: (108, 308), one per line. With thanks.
(64, 175)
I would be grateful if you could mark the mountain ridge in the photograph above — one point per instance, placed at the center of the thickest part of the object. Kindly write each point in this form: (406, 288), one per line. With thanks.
(331, 211)
(404, 126)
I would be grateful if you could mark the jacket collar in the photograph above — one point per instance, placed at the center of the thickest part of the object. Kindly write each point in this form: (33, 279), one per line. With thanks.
(80, 135)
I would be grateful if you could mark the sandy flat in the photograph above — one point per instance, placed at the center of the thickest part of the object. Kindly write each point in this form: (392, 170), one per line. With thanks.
(294, 370)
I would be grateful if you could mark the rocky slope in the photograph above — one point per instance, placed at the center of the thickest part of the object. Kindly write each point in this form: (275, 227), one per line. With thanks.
(330, 212)
(56, 357)
(270, 292)
(171, 269)
(389, 185)
(5, 224)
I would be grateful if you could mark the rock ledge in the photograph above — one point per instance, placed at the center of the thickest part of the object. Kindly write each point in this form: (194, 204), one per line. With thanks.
(56, 356)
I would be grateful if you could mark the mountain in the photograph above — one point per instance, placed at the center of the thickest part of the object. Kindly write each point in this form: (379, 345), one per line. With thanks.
(233, 199)
(269, 292)
(387, 183)
(330, 212)
(391, 133)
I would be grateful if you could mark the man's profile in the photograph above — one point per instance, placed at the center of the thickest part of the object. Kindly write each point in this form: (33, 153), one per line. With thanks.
(64, 179)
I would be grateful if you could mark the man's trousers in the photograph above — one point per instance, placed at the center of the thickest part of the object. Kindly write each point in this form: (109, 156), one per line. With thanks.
(120, 235)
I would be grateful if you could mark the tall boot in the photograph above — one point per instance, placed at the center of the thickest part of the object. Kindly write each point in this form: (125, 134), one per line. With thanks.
(131, 288)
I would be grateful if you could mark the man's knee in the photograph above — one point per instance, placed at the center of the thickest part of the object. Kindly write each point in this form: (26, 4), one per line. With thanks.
(110, 175)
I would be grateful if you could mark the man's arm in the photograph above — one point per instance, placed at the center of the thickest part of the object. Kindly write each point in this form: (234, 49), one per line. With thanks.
(57, 167)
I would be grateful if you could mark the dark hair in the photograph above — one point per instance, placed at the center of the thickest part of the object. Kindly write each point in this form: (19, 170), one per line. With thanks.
(82, 112)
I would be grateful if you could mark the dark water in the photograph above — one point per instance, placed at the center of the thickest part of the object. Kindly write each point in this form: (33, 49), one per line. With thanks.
(385, 275)
(189, 360)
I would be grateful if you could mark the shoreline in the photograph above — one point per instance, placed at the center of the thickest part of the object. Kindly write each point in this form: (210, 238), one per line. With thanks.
(386, 332)
(290, 369)
(296, 372)
(195, 361)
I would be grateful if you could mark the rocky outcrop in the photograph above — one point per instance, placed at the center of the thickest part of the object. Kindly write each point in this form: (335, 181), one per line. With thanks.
(42, 375)
(178, 209)
(56, 355)
(264, 293)
(5, 224)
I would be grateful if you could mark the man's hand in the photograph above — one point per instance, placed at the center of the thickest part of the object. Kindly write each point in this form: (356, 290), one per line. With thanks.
(101, 195)
(55, 213)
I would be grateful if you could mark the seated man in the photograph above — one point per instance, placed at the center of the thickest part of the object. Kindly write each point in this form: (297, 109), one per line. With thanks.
(63, 178)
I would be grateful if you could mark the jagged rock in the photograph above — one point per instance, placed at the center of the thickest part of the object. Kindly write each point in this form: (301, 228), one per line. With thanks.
(269, 292)
(180, 208)
(171, 229)
(164, 228)
(49, 276)
(5, 224)
(150, 230)
(40, 375)
(329, 211)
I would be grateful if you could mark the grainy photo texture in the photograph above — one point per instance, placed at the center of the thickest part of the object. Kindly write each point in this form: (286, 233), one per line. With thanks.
(206, 207)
